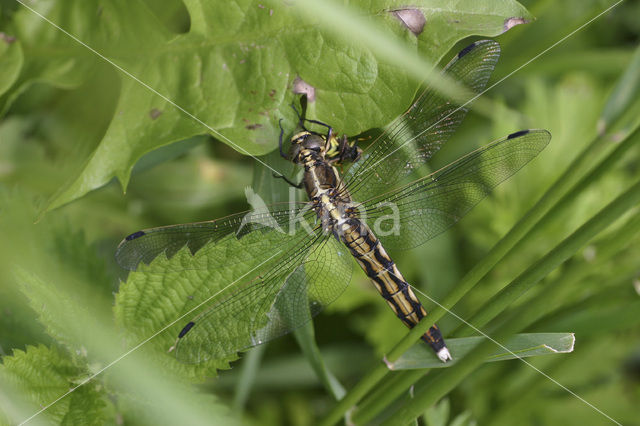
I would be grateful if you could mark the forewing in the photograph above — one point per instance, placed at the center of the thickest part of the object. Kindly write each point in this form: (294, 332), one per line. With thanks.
(419, 211)
(301, 282)
(144, 246)
(411, 139)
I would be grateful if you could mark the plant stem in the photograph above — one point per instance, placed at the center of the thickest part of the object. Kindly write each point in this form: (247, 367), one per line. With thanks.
(505, 297)
(578, 168)
(530, 312)
(454, 375)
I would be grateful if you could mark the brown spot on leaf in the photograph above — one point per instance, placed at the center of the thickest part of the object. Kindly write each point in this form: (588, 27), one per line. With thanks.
(512, 22)
(411, 18)
(253, 126)
(272, 93)
(301, 87)
(155, 113)
(7, 38)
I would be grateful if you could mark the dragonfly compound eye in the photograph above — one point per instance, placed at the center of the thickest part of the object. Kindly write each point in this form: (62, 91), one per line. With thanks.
(314, 143)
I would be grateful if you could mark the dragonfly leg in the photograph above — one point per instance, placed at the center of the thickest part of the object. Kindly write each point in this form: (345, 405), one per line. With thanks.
(301, 121)
(283, 177)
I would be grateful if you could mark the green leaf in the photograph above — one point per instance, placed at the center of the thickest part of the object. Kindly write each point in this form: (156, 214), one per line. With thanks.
(623, 106)
(519, 346)
(50, 56)
(162, 295)
(305, 336)
(39, 376)
(438, 414)
(232, 71)
(72, 262)
(11, 60)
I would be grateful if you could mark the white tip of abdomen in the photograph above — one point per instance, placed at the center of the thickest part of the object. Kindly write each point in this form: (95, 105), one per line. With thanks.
(444, 355)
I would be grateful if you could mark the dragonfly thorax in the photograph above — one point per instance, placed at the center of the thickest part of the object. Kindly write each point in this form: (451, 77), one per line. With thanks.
(332, 150)
(304, 144)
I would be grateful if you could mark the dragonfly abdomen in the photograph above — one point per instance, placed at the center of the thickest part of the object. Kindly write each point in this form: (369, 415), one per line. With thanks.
(383, 272)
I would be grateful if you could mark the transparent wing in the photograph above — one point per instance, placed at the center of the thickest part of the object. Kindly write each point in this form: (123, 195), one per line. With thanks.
(144, 246)
(249, 277)
(290, 292)
(421, 210)
(411, 139)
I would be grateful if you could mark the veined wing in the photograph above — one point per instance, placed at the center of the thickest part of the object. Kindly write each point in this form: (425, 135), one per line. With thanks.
(144, 246)
(286, 296)
(421, 210)
(411, 139)
(241, 280)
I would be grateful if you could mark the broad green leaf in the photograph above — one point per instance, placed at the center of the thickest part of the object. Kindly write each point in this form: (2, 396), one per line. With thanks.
(519, 346)
(163, 295)
(39, 376)
(50, 56)
(233, 70)
(262, 276)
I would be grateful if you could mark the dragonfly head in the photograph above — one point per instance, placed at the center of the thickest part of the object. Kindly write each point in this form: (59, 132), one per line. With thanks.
(305, 141)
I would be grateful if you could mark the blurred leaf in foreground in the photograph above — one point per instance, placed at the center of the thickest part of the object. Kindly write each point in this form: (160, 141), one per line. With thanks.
(43, 374)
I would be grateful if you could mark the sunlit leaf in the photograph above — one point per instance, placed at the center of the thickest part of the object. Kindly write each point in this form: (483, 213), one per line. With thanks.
(232, 71)
(519, 346)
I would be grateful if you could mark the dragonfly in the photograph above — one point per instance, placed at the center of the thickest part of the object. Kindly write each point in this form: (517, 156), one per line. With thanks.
(290, 260)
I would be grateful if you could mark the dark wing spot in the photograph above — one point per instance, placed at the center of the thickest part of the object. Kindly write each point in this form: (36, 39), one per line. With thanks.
(517, 134)
(135, 235)
(186, 329)
(466, 50)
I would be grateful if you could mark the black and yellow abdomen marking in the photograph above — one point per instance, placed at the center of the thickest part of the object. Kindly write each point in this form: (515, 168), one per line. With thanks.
(388, 280)
(331, 202)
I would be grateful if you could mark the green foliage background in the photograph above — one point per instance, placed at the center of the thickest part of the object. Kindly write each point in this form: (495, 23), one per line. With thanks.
(72, 122)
